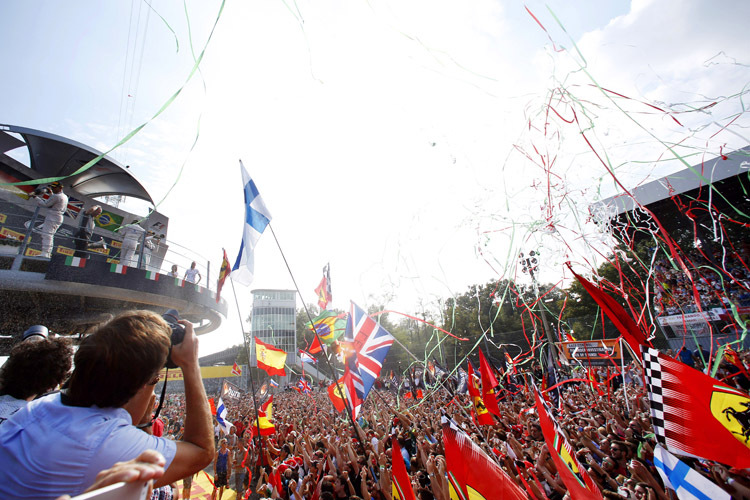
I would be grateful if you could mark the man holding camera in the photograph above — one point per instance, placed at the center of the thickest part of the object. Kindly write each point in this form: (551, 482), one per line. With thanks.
(56, 204)
(59, 443)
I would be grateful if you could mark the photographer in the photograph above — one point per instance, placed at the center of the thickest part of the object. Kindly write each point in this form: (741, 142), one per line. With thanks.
(59, 443)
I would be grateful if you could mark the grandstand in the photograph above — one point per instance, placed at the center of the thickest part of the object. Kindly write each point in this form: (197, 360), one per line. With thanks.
(705, 209)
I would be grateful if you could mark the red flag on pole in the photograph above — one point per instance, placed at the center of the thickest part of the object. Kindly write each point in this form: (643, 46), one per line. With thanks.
(471, 470)
(333, 393)
(575, 477)
(315, 347)
(480, 410)
(489, 386)
(401, 483)
(616, 313)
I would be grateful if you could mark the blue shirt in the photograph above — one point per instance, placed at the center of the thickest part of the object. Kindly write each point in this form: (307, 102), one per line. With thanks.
(48, 449)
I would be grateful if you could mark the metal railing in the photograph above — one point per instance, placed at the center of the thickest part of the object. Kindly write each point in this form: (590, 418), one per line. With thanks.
(161, 258)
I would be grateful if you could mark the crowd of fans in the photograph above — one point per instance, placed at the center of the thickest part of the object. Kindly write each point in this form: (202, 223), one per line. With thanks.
(673, 290)
(607, 422)
(316, 452)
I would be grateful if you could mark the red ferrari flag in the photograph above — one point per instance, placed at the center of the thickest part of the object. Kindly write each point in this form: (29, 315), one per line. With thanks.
(696, 415)
(236, 369)
(401, 483)
(616, 313)
(471, 473)
(223, 275)
(335, 395)
(489, 386)
(574, 476)
(480, 411)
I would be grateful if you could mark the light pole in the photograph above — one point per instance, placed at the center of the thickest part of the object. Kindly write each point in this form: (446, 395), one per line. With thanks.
(528, 265)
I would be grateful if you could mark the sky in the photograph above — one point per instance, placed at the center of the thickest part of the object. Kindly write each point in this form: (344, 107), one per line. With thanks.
(415, 146)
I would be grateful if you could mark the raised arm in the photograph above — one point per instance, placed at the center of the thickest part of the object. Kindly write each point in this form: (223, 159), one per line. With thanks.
(196, 450)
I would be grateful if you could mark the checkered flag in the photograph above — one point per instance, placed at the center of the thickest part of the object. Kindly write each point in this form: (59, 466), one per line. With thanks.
(696, 415)
(654, 383)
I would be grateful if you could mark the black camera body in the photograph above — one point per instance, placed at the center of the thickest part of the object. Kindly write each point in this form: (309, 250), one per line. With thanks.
(178, 333)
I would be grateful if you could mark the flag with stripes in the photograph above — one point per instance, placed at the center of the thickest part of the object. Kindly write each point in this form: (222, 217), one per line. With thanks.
(152, 275)
(75, 261)
(684, 480)
(118, 268)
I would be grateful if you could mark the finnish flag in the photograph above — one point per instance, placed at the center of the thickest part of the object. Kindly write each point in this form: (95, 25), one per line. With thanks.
(685, 481)
(257, 218)
(221, 417)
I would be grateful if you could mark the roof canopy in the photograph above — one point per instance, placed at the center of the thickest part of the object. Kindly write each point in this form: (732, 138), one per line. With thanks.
(54, 156)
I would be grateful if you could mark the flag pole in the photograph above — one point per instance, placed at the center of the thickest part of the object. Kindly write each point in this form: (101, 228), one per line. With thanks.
(333, 370)
(252, 382)
(622, 369)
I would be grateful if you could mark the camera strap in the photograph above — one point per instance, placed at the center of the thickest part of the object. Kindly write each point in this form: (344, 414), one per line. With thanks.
(161, 398)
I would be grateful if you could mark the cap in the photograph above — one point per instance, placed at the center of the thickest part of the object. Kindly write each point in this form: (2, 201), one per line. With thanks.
(56, 184)
(35, 332)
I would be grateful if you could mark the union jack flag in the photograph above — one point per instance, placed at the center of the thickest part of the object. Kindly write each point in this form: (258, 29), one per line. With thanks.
(303, 386)
(371, 343)
(355, 390)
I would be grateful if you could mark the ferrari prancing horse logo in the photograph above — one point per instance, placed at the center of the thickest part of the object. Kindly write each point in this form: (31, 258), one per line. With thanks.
(732, 409)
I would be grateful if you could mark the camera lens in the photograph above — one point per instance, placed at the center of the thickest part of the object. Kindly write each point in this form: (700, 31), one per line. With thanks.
(178, 333)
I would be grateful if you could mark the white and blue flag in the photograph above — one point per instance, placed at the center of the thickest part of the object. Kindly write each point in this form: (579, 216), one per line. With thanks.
(684, 480)
(257, 218)
(221, 417)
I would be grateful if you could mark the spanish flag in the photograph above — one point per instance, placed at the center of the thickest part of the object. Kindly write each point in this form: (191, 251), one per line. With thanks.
(270, 358)
(265, 415)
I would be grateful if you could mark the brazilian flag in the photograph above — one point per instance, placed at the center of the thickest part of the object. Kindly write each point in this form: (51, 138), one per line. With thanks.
(108, 221)
(329, 326)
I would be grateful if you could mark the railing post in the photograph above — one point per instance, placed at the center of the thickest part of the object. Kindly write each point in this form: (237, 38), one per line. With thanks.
(140, 254)
(208, 275)
(16, 266)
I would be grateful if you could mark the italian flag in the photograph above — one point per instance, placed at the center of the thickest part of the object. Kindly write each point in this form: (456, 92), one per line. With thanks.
(75, 261)
(118, 268)
(152, 275)
(179, 282)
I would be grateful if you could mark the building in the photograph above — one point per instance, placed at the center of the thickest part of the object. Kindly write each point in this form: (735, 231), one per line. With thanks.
(273, 321)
